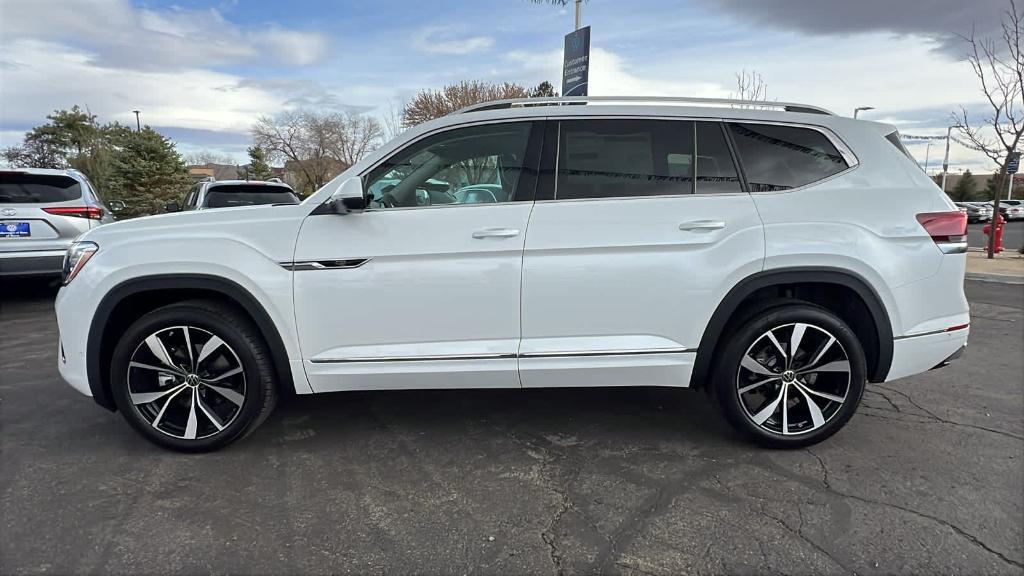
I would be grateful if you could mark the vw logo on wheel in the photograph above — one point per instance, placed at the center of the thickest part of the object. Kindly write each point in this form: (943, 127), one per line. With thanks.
(8, 211)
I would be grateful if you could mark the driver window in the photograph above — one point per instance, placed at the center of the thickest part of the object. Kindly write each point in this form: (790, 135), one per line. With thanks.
(474, 165)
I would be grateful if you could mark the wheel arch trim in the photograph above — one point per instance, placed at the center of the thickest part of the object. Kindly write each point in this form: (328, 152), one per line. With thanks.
(797, 275)
(228, 288)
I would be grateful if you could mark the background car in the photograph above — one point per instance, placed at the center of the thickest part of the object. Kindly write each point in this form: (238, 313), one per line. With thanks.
(976, 211)
(42, 211)
(229, 193)
(1012, 209)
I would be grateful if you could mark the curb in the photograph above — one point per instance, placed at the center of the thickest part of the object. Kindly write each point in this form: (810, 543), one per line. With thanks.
(997, 278)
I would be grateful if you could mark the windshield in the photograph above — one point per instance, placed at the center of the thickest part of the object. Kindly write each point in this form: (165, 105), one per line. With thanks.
(248, 195)
(17, 187)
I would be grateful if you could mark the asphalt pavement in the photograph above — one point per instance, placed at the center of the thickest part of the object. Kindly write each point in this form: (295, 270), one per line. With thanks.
(1013, 235)
(926, 478)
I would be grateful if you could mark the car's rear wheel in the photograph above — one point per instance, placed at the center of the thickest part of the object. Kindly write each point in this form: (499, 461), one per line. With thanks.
(791, 376)
(193, 376)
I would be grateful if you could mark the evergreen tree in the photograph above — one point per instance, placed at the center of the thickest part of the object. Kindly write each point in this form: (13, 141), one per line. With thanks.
(544, 90)
(964, 191)
(258, 169)
(146, 172)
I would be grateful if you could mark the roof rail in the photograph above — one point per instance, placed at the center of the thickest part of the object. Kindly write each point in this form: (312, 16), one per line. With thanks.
(527, 102)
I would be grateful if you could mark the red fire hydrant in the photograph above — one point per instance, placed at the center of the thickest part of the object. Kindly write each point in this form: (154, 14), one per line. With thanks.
(987, 229)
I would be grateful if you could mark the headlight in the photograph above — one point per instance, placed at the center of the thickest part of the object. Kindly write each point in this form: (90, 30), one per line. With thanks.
(75, 258)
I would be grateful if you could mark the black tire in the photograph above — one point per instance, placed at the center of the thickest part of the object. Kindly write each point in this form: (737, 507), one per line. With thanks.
(223, 417)
(792, 377)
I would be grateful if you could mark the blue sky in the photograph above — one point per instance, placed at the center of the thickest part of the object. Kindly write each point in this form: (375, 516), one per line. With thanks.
(202, 71)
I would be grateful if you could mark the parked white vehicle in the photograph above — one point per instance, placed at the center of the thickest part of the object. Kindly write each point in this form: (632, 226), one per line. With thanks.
(781, 258)
(210, 193)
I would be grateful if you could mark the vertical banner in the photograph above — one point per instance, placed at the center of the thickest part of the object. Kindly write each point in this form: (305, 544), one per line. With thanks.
(576, 63)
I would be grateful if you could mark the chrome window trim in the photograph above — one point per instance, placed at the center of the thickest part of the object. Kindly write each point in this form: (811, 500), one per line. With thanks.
(506, 356)
(630, 198)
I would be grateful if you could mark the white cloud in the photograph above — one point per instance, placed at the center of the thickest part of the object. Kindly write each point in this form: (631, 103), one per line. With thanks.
(120, 35)
(438, 40)
(291, 47)
(611, 75)
(51, 76)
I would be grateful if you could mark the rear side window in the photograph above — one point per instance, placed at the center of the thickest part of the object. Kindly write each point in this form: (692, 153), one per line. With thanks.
(17, 187)
(622, 158)
(248, 195)
(784, 157)
(627, 158)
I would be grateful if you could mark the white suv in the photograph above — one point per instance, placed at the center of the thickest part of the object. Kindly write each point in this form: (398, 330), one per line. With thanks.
(780, 258)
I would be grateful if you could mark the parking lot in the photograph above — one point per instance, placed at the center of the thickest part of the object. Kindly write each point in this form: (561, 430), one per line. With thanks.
(1013, 235)
(926, 478)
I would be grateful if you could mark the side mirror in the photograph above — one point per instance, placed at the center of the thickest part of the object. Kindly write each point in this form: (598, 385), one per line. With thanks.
(116, 206)
(349, 197)
(172, 206)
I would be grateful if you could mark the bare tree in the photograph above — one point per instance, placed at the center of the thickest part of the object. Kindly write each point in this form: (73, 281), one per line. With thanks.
(355, 135)
(303, 139)
(430, 104)
(999, 66)
(393, 120)
(209, 157)
(750, 86)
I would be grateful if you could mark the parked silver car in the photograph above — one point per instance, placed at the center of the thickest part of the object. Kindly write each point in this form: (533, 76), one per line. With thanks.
(976, 211)
(42, 211)
(228, 193)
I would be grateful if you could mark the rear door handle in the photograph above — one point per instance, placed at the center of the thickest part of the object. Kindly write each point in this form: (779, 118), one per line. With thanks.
(495, 233)
(702, 225)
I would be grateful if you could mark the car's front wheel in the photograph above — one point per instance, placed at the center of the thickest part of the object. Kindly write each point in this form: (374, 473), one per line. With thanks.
(791, 376)
(193, 376)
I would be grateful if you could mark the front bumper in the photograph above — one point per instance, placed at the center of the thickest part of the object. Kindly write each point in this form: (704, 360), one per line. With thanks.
(73, 333)
(32, 263)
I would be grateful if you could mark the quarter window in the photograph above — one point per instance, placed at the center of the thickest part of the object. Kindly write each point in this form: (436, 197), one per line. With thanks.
(474, 165)
(783, 157)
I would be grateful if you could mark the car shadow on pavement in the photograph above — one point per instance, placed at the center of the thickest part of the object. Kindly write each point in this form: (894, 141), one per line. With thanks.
(628, 416)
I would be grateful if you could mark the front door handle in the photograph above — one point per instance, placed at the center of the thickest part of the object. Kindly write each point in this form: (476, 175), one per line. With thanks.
(495, 233)
(702, 225)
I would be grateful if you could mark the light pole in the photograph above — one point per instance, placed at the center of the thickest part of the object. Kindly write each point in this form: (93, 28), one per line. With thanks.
(859, 108)
(579, 8)
(138, 126)
(945, 160)
(927, 152)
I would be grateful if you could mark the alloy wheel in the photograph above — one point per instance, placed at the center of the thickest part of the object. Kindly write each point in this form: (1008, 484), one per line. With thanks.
(186, 382)
(793, 379)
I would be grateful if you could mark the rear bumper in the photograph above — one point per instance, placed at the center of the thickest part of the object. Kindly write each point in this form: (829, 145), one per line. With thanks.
(916, 354)
(33, 263)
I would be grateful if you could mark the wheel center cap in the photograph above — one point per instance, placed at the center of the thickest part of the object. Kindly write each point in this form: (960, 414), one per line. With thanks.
(788, 376)
(192, 380)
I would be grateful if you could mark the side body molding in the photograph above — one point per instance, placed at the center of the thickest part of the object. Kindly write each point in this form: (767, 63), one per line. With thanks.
(713, 332)
(228, 288)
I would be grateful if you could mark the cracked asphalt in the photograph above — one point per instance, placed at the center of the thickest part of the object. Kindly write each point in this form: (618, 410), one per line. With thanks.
(928, 477)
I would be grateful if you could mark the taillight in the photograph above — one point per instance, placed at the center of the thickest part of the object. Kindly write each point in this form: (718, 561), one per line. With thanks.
(947, 229)
(89, 212)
